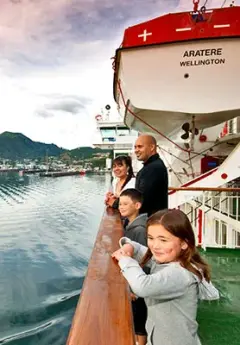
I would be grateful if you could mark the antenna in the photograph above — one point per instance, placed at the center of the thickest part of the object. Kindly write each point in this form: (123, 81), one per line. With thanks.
(107, 107)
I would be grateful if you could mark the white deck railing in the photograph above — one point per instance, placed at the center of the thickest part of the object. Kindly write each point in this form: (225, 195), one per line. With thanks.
(215, 216)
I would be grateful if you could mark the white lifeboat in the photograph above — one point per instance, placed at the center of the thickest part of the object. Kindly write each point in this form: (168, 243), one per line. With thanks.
(180, 72)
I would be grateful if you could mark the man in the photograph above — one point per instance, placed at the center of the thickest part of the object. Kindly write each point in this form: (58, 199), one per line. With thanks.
(152, 179)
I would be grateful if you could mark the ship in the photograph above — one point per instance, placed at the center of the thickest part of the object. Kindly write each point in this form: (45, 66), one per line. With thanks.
(176, 78)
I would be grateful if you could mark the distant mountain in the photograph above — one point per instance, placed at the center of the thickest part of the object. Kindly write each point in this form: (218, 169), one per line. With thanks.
(17, 146)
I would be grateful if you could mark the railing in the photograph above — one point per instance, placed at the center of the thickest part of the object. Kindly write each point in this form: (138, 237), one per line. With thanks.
(204, 189)
(234, 125)
(214, 214)
(103, 314)
(231, 127)
(228, 205)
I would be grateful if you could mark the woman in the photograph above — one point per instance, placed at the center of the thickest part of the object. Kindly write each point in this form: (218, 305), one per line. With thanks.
(124, 179)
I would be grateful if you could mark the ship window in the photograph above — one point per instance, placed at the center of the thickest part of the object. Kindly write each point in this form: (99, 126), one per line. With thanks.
(195, 217)
(108, 132)
(190, 214)
(107, 140)
(224, 234)
(123, 131)
(236, 238)
(220, 233)
(217, 232)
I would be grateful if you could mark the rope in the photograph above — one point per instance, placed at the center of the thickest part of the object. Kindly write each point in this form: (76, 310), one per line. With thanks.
(171, 154)
(114, 58)
(195, 5)
(170, 166)
(202, 152)
(191, 166)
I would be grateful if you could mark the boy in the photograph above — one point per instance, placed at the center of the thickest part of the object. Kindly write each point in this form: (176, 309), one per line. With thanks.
(130, 202)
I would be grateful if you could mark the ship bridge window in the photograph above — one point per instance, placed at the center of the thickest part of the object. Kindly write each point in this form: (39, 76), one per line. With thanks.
(236, 239)
(220, 233)
(109, 140)
(108, 132)
(123, 131)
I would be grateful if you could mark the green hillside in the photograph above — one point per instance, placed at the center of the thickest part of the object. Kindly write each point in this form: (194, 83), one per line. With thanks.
(87, 152)
(18, 146)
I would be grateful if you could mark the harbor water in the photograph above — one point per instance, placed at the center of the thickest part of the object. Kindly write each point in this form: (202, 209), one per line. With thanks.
(47, 230)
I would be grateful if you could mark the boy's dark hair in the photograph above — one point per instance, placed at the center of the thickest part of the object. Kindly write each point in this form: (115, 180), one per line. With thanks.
(133, 194)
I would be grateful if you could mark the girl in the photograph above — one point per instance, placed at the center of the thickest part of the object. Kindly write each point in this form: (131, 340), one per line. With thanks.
(124, 179)
(178, 278)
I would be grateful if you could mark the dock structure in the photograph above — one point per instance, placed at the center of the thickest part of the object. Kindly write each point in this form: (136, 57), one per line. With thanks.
(26, 171)
(60, 173)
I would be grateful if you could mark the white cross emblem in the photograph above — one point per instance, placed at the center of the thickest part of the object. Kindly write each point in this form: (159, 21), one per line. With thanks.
(145, 34)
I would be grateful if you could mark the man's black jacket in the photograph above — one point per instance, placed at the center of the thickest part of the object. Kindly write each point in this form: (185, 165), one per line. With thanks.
(152, 181)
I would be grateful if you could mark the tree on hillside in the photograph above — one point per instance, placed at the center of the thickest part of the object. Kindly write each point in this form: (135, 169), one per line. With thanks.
(66, 158)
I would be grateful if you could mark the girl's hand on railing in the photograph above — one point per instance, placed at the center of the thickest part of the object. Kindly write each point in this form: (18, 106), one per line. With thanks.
(126, 250)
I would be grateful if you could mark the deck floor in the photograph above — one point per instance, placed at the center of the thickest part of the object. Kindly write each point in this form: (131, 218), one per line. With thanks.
(219, 321)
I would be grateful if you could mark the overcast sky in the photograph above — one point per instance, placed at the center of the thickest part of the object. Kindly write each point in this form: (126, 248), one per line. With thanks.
(55, 62)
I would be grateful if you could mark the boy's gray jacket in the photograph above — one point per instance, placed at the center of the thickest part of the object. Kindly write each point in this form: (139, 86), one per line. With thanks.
(136, 231)
(171, 293)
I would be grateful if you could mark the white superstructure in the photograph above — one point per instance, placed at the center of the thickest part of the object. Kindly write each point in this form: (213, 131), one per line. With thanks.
(113, 134)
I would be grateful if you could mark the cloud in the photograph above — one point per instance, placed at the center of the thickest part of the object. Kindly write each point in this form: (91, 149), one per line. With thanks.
(63, 103)
(44, 114)
(69, 104)
(47, 29)
(50, 34)
(55, 62)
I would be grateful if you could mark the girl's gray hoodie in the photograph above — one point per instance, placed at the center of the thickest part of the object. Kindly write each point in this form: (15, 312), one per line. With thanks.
(171, 293)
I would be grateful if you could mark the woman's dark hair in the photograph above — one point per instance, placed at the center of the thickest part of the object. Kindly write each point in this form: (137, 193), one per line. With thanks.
(177, 223)
(120, 160)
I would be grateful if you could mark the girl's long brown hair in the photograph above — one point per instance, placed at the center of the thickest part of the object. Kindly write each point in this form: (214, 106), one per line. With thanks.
(178, 224)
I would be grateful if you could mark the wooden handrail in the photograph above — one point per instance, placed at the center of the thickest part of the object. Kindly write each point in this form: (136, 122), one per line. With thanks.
(204, 189)
(103, 314)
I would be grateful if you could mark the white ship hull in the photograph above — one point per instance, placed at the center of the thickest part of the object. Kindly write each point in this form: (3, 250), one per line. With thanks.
(165, 85)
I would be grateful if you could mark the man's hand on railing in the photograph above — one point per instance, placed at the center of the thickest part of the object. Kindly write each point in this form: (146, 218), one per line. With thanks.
(108, 196)
(133, 297)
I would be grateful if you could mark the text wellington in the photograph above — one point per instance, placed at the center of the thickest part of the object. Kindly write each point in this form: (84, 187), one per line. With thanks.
(211, 57)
